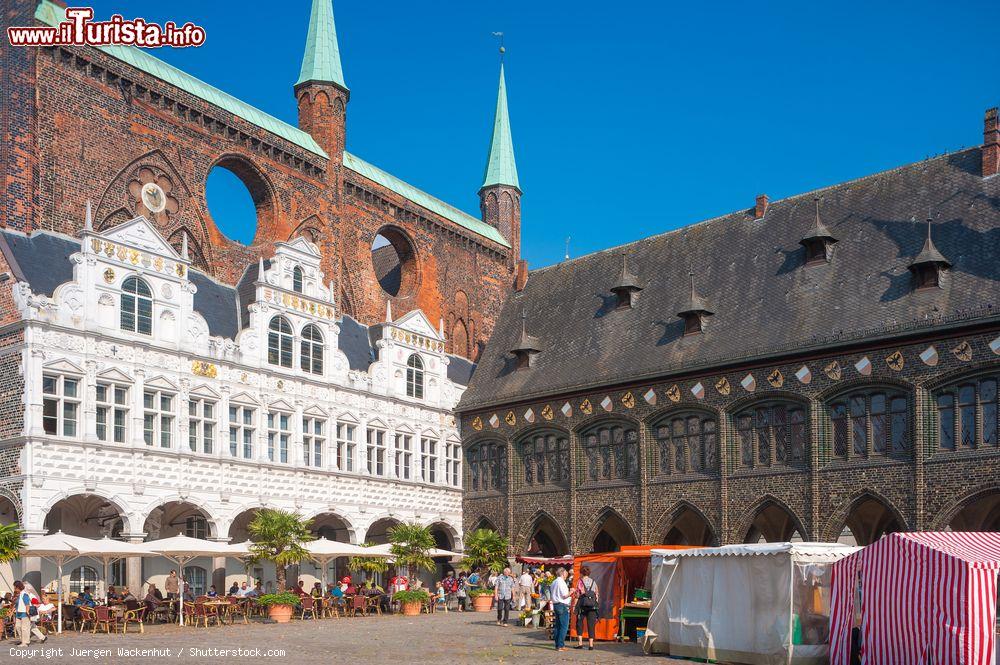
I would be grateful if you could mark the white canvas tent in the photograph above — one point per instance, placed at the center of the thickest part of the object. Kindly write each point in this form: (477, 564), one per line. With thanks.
(757, 604)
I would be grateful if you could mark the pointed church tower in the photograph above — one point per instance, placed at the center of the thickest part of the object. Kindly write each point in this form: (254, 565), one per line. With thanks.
(500, 194)
(321, 92)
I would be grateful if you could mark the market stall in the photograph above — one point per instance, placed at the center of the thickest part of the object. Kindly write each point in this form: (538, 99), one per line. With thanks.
(545, 561)
(624, 610)
(757, 604)
(923, 597)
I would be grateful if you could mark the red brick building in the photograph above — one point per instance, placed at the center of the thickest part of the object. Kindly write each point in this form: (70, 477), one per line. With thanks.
(99, 124)
(821, 367)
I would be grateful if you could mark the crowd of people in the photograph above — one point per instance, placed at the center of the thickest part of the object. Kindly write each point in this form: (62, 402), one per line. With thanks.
(533, 589)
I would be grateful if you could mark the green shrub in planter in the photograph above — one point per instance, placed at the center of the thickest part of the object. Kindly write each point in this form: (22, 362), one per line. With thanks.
(283, 598)
(411, 596)
(476, 593)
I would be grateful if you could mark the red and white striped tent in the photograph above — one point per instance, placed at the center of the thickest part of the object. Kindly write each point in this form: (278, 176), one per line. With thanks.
(924, 598)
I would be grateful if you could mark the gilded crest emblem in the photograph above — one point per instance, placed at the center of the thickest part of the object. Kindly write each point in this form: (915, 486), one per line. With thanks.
(95, 244)
(109, 249)
(776, 379)
(133, 256)
(963, 352)
(202, 368)
(180, 270)
(674, 393)
(895, 361)
(833, 370)
(281, 384)
(628, 399)
(586, 407)
(109, 275)
(158, 264)
(121, 253)
(547, 412)
(722, 385)
(477, 423)
(510, 418)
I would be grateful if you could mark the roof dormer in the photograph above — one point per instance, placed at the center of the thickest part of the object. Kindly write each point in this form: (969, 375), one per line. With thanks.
(526, 346)
(818, 241)
(929, 265)
(695, 312)
(627, 288)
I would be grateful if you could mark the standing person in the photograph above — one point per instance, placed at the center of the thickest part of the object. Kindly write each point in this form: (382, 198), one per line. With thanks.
(560, 606)
(472, 583)
(171, 585)
(463, 591)
(525, 587)
(491, 583)
(587, 603)
(450, 585)
(22, 616)
(503, 594)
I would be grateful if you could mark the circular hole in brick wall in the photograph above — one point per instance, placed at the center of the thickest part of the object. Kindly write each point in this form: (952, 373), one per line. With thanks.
(238, 199)
(394, 262)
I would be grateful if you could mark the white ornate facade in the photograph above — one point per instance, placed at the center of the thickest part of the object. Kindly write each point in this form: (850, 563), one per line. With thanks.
(143, 418)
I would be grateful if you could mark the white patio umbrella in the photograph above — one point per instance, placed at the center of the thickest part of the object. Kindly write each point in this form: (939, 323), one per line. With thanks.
(57, 548)
(324, 551)
(182, 550)
(108, 550)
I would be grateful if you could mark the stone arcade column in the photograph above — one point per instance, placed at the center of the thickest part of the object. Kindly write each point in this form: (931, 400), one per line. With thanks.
(31, 566)
(219, 568)
(133, 566)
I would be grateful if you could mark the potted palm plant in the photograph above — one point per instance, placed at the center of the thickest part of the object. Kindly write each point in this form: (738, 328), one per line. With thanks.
(369, 565)
(486, 550)
(11, 542)
(278, 536)
(411, 546)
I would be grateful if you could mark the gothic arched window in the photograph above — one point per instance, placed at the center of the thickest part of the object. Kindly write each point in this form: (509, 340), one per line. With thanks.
(870, 422)
(487, 462)
(960, 407)
(687, 442)
(297, 279)
(137, 306)
(311, 350)
(415, 377)
(772, 433)
(612, 452)
(279, 342)
(546, 458)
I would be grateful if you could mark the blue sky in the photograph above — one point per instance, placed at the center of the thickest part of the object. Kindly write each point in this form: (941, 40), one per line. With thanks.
(629, 118)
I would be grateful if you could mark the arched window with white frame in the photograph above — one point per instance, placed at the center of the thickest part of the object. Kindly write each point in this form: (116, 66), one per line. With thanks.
(137, 306)
(415, 377)
(297, 279)
(311, 350)
(279, 342)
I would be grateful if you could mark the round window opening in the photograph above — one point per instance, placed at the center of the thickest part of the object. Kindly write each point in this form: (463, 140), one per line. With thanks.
(231, 204)
(394, 263)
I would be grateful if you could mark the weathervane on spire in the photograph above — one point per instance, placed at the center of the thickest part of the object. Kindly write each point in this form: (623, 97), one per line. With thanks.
(499, 35)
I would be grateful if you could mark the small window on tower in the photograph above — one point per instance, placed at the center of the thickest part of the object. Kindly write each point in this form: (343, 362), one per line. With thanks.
(297, 279)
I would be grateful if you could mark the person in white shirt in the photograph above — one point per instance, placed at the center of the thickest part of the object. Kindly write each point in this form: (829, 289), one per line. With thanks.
(22, 616)
(560, 606)
(525, 586)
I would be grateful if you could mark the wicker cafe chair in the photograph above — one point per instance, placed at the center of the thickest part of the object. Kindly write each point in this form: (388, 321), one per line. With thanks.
(105, 617)
(332, 606)
(86, 615)
(239, 607)
(138, 615)
(308, 605)
(358, 604)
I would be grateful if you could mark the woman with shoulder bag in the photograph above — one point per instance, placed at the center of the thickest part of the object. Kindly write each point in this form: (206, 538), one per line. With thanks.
(587, 604)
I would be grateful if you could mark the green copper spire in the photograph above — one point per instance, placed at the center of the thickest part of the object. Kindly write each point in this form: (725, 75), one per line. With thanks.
(321, 61)
(500, 167)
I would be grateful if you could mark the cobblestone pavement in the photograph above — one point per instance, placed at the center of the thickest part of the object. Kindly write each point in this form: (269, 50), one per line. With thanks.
(439, 639)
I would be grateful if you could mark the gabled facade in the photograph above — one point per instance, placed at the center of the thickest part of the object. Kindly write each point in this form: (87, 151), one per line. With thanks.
(144, 399)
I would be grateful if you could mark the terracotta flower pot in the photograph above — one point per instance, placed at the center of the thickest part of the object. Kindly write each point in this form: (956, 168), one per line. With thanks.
(482, 603)
(412, 608)
(280, 613)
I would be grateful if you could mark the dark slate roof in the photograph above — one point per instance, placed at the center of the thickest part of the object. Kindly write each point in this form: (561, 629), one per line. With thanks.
(41, 259)
(247, 292)
(355, 344)
(766, 302)
(460, 369)
(217, 303)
